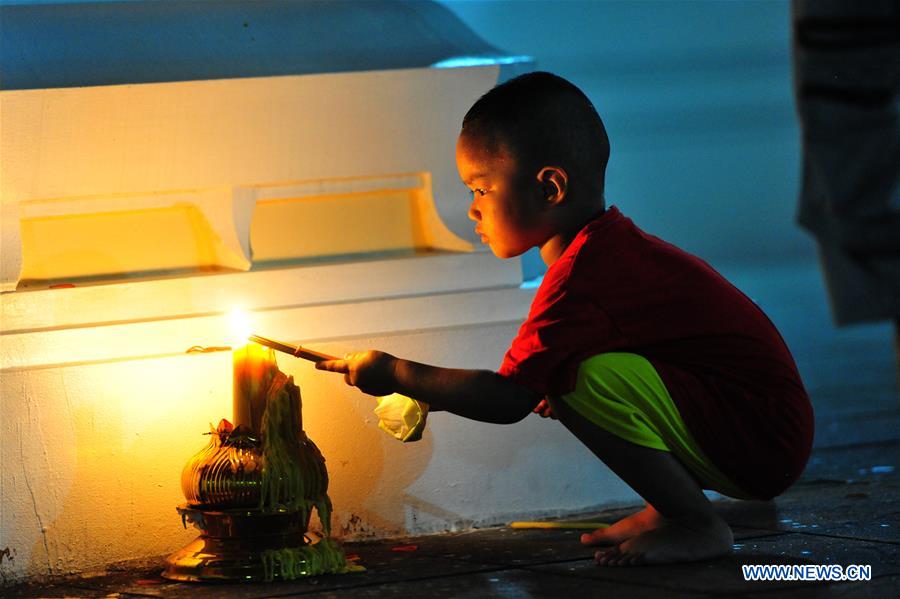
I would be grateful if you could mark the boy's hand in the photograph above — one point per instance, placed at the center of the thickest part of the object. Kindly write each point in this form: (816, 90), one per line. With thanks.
(371, 371)
(543, 408)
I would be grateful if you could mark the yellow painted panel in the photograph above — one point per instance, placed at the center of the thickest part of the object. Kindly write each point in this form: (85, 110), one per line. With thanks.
(108, 244)
(357, 223)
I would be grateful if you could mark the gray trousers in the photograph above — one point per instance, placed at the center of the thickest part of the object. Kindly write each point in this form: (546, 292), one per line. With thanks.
(847, 77)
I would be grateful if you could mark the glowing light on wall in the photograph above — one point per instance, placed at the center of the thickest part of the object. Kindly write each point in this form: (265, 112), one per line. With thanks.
(239, 327)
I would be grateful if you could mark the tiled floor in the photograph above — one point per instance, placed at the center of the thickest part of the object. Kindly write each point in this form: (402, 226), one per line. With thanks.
(846, 509)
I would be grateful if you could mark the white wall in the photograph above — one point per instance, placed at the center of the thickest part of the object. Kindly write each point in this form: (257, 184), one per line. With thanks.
(92, 453)
(696, 96)
(100, 407)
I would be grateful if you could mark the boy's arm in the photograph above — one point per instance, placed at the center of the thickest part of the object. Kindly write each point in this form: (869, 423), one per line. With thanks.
(477, 394)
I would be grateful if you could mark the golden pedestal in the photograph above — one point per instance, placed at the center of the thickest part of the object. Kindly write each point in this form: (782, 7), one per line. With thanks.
(248, 545)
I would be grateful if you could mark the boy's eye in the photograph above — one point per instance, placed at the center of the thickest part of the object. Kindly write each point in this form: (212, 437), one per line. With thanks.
(478, 191)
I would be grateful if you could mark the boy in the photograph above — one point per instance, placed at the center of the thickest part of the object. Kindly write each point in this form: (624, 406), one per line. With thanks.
(669, 374)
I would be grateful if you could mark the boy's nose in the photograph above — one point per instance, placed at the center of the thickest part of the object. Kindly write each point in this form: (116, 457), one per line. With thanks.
(473, 213)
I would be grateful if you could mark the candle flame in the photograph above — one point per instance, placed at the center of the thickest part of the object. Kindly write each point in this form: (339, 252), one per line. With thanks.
(239, 328)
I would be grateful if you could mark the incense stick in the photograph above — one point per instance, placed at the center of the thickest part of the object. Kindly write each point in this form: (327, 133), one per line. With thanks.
(295, 350)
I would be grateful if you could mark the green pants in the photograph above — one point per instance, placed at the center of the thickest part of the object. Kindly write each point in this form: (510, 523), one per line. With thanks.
(623, 394)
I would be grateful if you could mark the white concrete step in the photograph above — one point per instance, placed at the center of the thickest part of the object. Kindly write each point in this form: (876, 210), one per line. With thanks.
(106, 324)
(264, 289)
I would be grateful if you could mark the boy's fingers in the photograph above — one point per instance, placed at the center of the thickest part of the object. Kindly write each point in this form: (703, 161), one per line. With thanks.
(544, 409)
(333, 366)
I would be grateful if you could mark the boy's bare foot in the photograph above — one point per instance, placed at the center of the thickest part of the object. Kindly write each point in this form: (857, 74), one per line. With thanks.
(670, 542)
(624, 529)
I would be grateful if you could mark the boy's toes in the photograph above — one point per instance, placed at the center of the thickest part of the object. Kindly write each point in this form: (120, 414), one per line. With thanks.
(630, 559)
(616, 556)
(607, 557)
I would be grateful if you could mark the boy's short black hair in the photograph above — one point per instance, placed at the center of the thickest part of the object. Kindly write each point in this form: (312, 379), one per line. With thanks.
(543, 119)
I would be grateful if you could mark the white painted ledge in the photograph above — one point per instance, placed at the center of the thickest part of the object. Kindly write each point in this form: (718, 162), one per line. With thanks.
(51, 328)
(226, 143)
(309, 285)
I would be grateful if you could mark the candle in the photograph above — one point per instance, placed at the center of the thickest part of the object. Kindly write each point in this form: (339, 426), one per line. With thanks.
(254, 369)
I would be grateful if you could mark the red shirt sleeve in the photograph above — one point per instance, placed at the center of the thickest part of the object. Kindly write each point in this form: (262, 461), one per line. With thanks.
(563, 328)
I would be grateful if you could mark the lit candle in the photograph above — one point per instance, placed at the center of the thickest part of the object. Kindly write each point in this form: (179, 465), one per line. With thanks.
(254, 369)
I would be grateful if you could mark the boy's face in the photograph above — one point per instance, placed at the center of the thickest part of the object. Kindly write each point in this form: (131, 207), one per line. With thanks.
(507, 204)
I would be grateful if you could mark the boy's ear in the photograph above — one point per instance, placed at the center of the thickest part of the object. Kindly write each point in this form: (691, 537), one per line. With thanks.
(554, 183)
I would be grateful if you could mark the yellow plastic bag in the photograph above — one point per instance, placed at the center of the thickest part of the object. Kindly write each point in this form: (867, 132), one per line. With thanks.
(401, 417)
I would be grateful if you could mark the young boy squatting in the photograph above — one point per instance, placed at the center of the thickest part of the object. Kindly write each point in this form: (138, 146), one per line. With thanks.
(663, 369)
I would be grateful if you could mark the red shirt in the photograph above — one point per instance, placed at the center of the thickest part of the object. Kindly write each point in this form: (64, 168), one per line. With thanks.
(735, 384)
